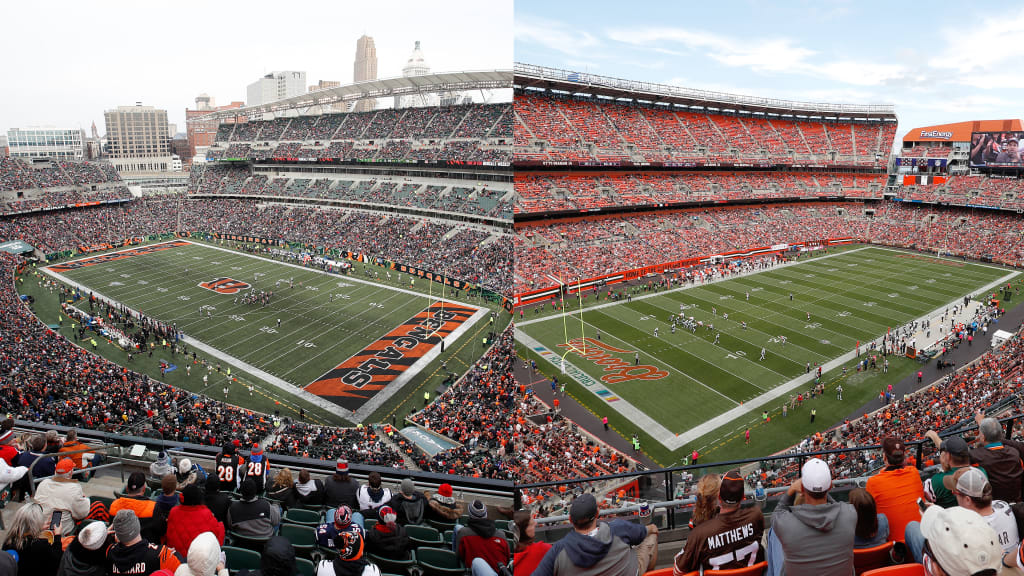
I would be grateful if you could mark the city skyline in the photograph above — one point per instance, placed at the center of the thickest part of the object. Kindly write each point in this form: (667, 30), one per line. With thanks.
(135, 66)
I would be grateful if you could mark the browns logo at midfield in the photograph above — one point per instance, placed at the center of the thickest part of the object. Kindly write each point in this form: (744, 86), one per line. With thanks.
(225, 285)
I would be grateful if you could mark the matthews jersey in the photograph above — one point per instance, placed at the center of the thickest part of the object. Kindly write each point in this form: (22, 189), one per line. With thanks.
(727, 541)
(229, 470)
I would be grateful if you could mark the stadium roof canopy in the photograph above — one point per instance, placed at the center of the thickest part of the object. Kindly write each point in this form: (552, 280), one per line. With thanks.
(959, 131)
(400, 86)
(541, 77)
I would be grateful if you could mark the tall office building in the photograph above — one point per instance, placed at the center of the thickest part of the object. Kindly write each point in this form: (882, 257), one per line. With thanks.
(138, 139)
(59, 144)
(202, 130)
(365, 68)
(275, 86)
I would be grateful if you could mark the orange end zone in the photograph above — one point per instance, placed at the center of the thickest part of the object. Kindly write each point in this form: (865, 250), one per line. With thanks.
(358, 379)
(116, 256)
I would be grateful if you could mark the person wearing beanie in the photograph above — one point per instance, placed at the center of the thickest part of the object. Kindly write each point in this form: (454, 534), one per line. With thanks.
(340, 489)
(218, 502)
(86, 555)
(253, 517)
(8, 451)
(528, 553)
(351, 559)
(62, 492)
(203, 558)
(153, 525)
(309, 490)
(257, 467)
(163, 466)
(388, 538)
(595, 548)
(190, 519)
(190, 472)
(372, 495)
(229, 467)
(735, 533)
(442, 506)
(277, 559)
(896, 488)
(131, 551)
(409, 504)
(479, 540)
(342, 520)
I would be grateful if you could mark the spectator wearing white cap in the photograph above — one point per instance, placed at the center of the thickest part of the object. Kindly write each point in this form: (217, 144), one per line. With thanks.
(816, 537)
(958, 542)
(86, 555)
(973, 491)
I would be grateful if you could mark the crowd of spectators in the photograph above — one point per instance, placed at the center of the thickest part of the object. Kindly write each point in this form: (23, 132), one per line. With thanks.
(28, 188)
(331, 443)
(578, 130)
(593, 247)
(976, 190)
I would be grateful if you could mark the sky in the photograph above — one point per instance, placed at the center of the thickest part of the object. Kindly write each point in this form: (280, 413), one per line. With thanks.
(66, 61)
(938, 62)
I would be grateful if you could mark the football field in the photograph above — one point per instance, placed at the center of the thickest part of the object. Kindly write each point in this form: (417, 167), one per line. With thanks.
(682, 388)
(338, 341)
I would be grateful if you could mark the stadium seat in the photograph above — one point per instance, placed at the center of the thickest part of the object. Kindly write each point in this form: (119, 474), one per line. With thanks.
(441, 526)
(865, 559)
(305, 567)
(898, 570)
(301, 517)
(369, 523)
(303, 538)
(755, 570)
(240, 559)
(246, 542)
(424, 536)
(439, 562)
(393, 565)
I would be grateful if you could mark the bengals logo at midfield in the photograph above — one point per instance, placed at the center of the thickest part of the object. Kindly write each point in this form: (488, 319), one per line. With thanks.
(225, 285)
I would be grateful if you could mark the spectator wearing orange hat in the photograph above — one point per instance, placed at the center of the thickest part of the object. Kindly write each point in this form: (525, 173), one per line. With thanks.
(62, 492)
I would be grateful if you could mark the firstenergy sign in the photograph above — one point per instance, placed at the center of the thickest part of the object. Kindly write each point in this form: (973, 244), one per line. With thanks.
(936, 134)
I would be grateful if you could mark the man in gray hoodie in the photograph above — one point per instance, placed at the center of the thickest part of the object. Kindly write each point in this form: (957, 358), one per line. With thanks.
(816, 536)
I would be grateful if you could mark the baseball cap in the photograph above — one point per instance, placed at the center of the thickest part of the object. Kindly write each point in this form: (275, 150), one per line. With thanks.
(961, 540)
(65, 466)
(894, 450)
(815, 476)
(583, 509)
(731, 490)
(955, 446)
(969, 482)
(135, 481)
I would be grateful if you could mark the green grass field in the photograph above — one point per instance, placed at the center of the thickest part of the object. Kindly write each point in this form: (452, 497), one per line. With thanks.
(850, 296)
(324, 320)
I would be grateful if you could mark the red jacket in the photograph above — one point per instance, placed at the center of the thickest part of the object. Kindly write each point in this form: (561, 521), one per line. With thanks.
(186, 522)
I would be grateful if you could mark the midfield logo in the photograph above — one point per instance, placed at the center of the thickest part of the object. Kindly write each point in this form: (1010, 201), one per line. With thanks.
(225, 285)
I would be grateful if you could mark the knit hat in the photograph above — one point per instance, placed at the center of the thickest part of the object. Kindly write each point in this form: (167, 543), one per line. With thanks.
(257, 453)
(408, 488)
(248, 489)
(126, 525)
(229, 449)
(731, 489)
(387, 514)
(961, 540)
(7, 437)
(477, 509)
(136, 481)
(342, 516)
(203, 556)
(65, 466)
(93, 535)
(191, 495)
(342, 466)
(815, 476)
(184, 466)
(445, 490)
